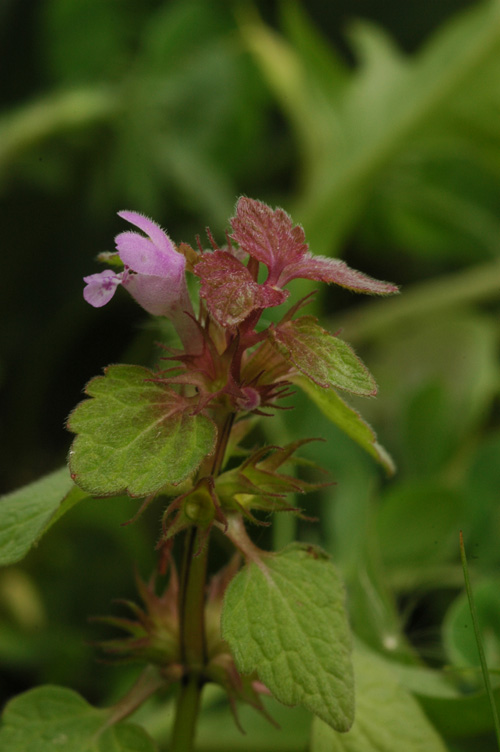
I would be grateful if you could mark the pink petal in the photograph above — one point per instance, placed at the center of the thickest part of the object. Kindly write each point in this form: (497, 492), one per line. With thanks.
(155, 294)
(150, 228)
(143, 257)
(101, 287)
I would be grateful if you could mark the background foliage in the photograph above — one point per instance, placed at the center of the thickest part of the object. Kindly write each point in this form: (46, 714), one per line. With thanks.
(382, 138)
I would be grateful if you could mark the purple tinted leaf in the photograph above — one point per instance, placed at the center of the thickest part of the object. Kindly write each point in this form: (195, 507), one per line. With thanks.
(268, 236)
(230, 290)
(337, 272)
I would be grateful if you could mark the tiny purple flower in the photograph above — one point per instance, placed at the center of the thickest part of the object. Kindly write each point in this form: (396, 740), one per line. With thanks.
(154, 275)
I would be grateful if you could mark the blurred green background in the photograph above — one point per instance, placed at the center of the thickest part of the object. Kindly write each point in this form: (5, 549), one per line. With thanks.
(377, 125)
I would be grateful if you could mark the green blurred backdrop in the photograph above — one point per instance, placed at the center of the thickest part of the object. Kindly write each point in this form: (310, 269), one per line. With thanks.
(382, 137)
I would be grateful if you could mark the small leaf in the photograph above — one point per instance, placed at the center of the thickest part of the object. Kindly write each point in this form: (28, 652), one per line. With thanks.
(26, 514)
(135, 435)
(416, 524)
(347, 419)
(229, 289)
(267, 235)
(387, 716)
(50, 718)
(337, 272)
(325, 359)
(284, 618)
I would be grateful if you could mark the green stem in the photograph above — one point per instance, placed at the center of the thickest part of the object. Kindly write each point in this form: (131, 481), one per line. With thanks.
(188, 706)
(192, 600)
(193, 645)
(192, 617)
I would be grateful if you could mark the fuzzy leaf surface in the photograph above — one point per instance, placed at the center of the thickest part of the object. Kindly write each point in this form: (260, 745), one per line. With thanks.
(327, 360)
(229, 289)
(337, 272)
(347, 419)
(134, 435)
(387, 716)
(268, 235)
(55, 718)
(26, 514)
(285, 619)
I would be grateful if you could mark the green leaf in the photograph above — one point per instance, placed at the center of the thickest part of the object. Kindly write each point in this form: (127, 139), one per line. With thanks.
(135, 435)
(450, 705)
(347, 419)
(325, 359)
(26, 514)
(417, 524)
(387, 717)
(284, 618)
(458, 632)
(50, 718)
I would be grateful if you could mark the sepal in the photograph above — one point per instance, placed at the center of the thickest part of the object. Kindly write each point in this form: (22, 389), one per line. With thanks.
(152, 635)
(258, 484)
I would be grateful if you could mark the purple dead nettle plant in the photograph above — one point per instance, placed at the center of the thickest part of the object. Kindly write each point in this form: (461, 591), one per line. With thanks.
(169, 432)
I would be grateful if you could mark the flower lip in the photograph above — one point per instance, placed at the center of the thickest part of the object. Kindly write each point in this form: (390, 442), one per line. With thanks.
(101, 287)
(149, 227)
(155, 255)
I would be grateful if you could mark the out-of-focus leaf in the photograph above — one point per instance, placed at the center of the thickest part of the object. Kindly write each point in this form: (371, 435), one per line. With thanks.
(387, 716)
(26, 514)
(458, 631)
(217, 731)
(439, 377)
(417, 524)
(49, 718)
(436, 201)
(453, 712)
(391, 105)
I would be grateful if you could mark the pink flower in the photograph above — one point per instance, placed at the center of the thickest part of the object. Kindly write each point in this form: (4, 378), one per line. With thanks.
(101, 287)
(154, 275)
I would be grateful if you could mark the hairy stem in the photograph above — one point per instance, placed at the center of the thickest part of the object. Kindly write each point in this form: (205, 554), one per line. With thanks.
(192, 635)
(192, 618)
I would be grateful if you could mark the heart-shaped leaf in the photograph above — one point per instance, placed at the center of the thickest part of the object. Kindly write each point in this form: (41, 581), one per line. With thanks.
(135, 435)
